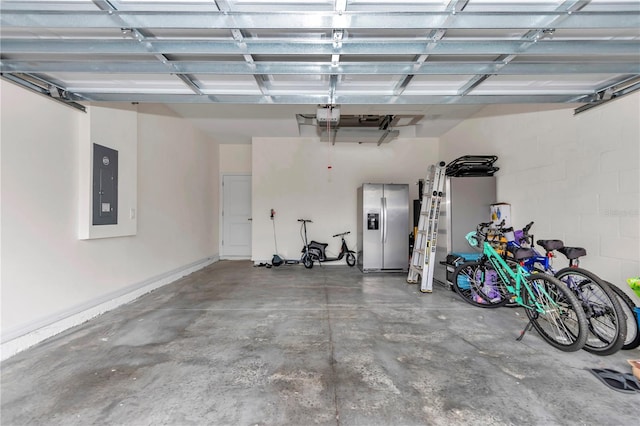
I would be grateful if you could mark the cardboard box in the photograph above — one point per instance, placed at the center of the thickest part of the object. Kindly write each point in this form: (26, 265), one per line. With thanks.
(635, 367)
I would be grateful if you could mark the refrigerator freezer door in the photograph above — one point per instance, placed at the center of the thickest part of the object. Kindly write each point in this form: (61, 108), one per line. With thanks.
(373, 224)
(396, 227)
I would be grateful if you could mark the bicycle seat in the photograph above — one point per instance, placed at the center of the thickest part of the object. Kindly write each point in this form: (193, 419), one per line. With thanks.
(520, 253)
(550, 245)
(573, 252)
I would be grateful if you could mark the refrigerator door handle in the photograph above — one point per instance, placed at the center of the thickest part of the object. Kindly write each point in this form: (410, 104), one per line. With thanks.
(384, 220)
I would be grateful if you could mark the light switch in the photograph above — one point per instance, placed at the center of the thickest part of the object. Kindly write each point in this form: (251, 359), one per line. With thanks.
(132, 213)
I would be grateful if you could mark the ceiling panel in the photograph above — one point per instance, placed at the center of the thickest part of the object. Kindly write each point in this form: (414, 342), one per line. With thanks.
(437, 84)
(228, 84)
(427, 53)
(123, 83)
(522, 6)
(548, 84)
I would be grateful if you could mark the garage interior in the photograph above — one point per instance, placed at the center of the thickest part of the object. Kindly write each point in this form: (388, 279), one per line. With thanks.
(165, 316)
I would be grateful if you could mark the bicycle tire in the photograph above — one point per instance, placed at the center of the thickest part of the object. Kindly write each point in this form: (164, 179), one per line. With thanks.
(563, 324)
(632, 339)
(468, 281)
(605, 318)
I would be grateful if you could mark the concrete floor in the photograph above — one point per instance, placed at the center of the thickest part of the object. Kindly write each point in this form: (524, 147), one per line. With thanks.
(233, 344)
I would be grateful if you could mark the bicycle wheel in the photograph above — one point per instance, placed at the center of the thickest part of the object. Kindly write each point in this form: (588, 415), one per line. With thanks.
(562, 322)
(479, 285)
(632, 340)
(605, 318)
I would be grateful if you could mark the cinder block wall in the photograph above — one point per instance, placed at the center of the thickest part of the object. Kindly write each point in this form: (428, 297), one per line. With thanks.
(576, 176)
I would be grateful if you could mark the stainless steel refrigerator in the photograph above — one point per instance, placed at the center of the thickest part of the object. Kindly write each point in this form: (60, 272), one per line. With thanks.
(383, 227)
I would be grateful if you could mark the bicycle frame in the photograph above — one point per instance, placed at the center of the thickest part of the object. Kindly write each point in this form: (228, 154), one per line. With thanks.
(530, 263)
(508, 276)
(544, 261)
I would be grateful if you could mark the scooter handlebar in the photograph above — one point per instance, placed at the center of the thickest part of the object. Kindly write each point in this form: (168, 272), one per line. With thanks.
(305, 220)
(340, 235)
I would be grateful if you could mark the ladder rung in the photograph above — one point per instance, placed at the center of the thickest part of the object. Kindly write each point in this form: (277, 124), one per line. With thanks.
(425, 238)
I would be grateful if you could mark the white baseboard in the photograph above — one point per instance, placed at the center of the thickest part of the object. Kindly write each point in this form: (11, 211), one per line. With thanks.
(21, 338)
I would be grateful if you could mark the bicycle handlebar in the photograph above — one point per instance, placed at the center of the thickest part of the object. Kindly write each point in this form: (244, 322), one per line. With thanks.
(482, 227)
(344, 233)
(526, 229)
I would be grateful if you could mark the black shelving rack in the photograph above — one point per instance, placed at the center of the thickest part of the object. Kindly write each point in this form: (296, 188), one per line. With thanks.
(472, 166)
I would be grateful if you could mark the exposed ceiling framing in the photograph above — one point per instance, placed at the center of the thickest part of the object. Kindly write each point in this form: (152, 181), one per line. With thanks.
(323, 52)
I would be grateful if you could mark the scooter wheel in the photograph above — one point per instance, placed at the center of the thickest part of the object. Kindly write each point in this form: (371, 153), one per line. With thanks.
(307, 262)
(351, 259)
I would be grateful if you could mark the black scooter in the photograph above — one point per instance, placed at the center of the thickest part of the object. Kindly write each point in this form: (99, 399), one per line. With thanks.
(315, 251)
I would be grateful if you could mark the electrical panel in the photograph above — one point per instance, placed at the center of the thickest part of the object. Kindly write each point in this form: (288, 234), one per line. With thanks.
(105, 185)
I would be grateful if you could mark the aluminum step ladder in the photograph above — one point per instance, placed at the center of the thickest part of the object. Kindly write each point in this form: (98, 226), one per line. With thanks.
(425, 241)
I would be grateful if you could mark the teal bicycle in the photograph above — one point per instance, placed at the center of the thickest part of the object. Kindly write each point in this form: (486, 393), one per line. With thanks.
(553, 310)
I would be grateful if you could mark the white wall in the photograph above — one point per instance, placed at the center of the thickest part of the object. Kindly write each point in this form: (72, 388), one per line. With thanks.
(235, 158)
(292, 176)
(98, 128)
(576, 176)
(47, 272)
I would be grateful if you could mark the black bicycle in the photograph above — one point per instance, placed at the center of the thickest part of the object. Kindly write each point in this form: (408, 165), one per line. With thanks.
(632, 339)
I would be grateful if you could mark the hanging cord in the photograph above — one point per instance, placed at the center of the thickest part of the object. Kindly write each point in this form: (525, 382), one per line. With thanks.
(330, 151)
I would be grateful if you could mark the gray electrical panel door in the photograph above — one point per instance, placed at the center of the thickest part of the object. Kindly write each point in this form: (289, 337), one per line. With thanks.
(105, 185)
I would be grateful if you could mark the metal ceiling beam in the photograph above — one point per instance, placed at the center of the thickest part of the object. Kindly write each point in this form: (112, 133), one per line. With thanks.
(321, 47)
(318, 20)
(140, 36)
(611, 92)
(302, 99)
(262, 81)
(322, 68)
(568, 7)
(338, 35)
(44, 88)
(611, 97)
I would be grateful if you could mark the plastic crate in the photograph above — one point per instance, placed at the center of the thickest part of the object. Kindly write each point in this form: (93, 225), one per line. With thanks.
(489, 287)
(455, 259)
(464, 257)
(463, 283)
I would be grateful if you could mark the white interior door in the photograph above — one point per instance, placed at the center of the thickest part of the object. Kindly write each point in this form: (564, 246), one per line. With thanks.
(236, 217)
